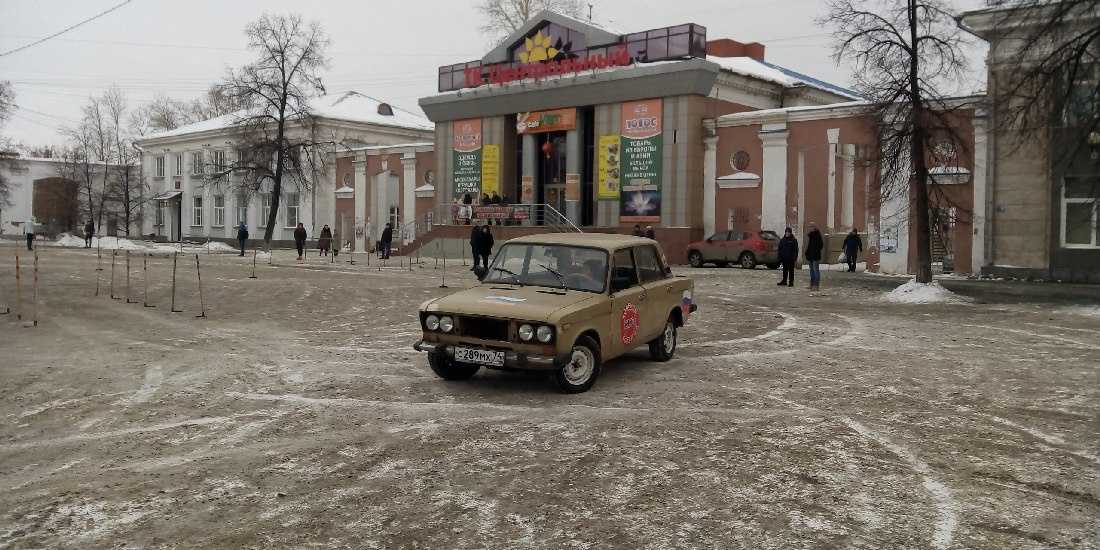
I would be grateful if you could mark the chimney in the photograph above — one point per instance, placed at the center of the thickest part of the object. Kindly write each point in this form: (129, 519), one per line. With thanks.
(726, 47)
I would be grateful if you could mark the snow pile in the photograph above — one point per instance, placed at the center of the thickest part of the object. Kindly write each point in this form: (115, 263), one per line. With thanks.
(1087, 311)
(920, 293)
(218, 246)
(110, 243)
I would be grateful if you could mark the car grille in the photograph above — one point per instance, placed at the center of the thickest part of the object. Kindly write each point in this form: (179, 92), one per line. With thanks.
(483, 328)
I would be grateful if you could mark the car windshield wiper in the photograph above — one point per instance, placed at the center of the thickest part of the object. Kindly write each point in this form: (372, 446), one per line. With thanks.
(507, 272)
(556, 274)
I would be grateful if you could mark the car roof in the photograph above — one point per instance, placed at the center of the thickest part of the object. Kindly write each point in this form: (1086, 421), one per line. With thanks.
(609, 241)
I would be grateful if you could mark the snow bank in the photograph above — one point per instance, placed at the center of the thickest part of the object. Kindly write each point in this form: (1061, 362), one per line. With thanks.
(913, 292)
(1088, 311)
(110, 243)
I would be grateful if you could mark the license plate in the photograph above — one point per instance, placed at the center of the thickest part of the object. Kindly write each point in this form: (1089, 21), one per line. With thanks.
(493, 358)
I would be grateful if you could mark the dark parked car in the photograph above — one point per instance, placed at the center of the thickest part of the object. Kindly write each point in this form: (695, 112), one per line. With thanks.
(747, 248)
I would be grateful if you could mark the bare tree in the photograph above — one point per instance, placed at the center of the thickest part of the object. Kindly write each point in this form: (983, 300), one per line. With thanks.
(86, 159)
(162, 114)
(7, 102)
(277, 135)
(902, 56)
(504, 17)
(125, 187)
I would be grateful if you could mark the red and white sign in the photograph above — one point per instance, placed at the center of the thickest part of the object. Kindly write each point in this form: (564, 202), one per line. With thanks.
(629, 323)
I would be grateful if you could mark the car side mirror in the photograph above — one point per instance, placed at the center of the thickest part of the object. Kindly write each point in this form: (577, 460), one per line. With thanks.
(619, 284)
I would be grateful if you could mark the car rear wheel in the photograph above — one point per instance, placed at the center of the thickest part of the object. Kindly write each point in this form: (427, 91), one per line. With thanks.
(695, 258)
(748, 261)
(449, 369)
(663, 347)
(580, 373)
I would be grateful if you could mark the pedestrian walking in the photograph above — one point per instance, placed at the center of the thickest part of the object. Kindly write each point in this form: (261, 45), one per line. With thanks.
(637, 231)
(300, 240)
(649, 233)
(788, 255)
(485, 244)
(242, 236)
(386, 241)
(89, 231)
(814, 245)
(324, 242)
(475, 239)
(853, 245)
(29, 227)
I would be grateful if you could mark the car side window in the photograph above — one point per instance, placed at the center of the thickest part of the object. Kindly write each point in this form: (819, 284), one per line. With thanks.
(649, 264)
(722, 237)
(623, 272)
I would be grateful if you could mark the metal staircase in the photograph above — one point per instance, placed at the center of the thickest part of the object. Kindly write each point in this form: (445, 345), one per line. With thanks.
(541, 218)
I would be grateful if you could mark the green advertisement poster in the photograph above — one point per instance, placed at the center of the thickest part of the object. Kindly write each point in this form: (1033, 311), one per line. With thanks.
(466, 148)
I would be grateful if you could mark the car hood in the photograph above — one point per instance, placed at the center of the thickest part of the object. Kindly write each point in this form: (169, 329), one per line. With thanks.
(529, 302)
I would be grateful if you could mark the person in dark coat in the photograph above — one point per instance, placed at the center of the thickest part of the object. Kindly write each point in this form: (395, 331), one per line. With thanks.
(475, 247)
(495, 200)
(814, 245)
(89, 231)
(649, 233)
(637, 231)
(853, 245)
(788, 255)
(324, 242)
(386, 241)
(300, 239)
(242, 236)
(485, 244)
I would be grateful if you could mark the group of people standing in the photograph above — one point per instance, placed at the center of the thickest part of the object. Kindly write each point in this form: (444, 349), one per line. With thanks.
(463, 209)
(815, 244)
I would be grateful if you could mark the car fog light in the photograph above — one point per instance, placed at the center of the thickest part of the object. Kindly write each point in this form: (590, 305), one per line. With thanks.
(545, 333)
(431, 322)
(446, 324)
(526, 332)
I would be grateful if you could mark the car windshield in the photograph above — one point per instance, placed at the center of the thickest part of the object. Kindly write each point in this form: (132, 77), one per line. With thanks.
(550, 265)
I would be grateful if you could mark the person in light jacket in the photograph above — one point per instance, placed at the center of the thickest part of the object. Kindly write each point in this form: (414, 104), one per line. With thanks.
(29, 227)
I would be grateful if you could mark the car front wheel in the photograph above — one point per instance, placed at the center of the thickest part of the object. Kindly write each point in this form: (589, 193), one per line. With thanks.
(663, 347)
(695, 258)
(580, 373)
(748, 261)
(449, 369)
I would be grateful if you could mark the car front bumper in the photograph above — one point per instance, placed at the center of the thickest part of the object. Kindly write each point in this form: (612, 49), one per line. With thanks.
(512, 359)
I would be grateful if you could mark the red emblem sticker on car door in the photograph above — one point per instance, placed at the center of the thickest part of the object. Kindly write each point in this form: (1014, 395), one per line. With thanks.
(629, 323)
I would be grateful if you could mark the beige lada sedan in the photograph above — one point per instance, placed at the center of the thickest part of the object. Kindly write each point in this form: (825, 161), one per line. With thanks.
(562, 303)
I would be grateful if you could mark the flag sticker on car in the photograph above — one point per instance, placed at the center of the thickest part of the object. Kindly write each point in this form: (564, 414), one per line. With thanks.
(629, 323)
(686, 303)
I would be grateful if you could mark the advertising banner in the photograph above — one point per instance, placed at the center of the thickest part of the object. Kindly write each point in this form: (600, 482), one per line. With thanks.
(527, 189)
(642, 149)
(546, 121)
(572, 187)
(467, 159)
(490, 169)
(609, 168)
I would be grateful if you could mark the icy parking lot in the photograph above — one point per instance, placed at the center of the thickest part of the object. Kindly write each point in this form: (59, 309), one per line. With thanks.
(296, 414)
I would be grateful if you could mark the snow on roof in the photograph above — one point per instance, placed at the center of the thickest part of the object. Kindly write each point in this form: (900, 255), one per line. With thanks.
(763, 70)
(348, 106)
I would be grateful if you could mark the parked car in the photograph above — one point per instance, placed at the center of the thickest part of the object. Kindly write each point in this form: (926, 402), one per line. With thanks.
(747, 248)
(563, 303)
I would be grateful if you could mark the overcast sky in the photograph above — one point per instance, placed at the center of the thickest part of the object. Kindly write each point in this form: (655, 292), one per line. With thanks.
(388, 50)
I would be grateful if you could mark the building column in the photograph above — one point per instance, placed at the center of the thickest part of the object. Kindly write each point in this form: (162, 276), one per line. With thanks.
(773, 192)
(408, 196)
(361, 189)
(833, 135)
(981, 193)
(574, 154)
(710, 174)
(528, 174)
(847, 189)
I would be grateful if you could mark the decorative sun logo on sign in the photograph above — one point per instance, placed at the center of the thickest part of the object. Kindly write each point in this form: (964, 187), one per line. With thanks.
(538, 49)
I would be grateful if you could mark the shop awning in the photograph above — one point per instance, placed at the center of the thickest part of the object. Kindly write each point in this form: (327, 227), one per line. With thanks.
(168, 196)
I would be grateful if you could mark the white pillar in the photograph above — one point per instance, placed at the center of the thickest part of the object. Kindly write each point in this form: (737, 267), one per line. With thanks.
(801, 229)
(773, 186)
(830, 214)
(848, 185)
(408, 194)
(981, 190)
(710, 171)
(361, 186)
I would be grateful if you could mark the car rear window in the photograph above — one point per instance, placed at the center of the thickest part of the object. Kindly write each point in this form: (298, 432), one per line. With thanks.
(769, 236)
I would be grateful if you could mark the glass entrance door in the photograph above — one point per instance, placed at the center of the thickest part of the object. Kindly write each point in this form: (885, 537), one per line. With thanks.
(551, 186)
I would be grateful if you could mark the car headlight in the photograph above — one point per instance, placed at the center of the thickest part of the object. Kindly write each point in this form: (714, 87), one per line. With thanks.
(545, 334)
(446, 324)
(526, 332)
(431, 322)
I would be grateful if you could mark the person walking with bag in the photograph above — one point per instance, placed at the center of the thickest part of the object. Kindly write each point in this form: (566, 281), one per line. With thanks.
(814, 245)
(300, 239)
(788, 255)
(853, 245)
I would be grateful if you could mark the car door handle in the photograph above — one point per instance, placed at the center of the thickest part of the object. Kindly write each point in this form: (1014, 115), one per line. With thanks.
(641, 298)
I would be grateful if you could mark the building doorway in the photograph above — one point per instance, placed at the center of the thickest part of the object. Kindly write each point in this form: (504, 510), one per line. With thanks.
(550, 188)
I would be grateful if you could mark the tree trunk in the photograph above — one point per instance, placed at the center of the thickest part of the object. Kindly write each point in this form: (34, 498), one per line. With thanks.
(917, 147)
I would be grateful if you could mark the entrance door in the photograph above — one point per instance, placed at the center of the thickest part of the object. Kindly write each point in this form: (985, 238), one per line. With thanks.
(629, 309)
(551, 186)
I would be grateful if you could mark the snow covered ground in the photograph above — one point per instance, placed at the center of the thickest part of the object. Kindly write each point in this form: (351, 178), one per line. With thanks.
(296, 414)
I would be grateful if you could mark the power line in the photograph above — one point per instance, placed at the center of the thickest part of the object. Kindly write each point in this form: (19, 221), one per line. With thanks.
(92, 18)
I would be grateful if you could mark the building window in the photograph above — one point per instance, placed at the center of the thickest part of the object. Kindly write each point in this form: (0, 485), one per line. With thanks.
(179, 165)
(196, 212)
(1082, 107)
(265, 207)
(242, 208)
(292, 208)
(159, 170)
(219, 211)
(395, 218)
(1080, 224)
(160, 213)
(218, 159)
(196, 163)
